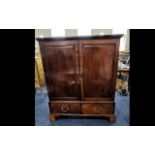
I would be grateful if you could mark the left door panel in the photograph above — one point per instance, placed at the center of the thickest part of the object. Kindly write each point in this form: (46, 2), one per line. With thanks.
(61, 66)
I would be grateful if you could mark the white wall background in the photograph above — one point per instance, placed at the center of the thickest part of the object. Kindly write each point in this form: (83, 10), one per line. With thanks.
(40, 33)
(123, 39)
(101, 31)
(71, 32)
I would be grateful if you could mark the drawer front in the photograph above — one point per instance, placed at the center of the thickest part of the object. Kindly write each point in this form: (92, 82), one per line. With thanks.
(97, 108)
(65, 108)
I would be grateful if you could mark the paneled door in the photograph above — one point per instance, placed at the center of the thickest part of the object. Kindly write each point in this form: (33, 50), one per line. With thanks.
(99, 68)
(61, 64)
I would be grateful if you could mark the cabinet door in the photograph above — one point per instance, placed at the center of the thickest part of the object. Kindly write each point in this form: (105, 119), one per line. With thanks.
(61, 65)
(98, 67)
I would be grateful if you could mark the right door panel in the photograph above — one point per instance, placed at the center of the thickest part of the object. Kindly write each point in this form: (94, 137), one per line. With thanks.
(98, 68)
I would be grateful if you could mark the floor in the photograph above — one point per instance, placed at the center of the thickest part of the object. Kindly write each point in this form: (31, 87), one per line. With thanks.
(42, 112)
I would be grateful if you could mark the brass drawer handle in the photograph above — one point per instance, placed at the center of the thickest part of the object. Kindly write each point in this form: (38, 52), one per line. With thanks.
(98, 107)
(65, 108)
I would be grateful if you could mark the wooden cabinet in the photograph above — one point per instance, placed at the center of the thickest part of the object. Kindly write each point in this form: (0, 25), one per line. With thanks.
(80, 74)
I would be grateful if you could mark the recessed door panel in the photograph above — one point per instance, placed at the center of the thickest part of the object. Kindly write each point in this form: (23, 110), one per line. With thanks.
(98, 66)
(61, 61)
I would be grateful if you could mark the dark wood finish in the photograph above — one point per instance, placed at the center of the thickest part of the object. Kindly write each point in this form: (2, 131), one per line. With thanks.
(80, 74)
(117, 36)
(98, 67)
(81, 71)
(52, 117)
(65, 108)
(84, 101)
(110, 117)
(97, 108)
(61, 69)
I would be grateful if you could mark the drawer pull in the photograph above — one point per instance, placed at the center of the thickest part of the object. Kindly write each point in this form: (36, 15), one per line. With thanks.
(65, 108)
(97, 107)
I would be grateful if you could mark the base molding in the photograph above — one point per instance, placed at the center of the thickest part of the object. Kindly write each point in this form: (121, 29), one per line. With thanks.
(110, 117)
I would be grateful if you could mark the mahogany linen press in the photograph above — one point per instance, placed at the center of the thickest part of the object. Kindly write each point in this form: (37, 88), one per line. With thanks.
(80, 75)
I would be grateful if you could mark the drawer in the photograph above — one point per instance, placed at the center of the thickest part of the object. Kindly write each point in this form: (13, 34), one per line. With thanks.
(97, 108)
(65, 107)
